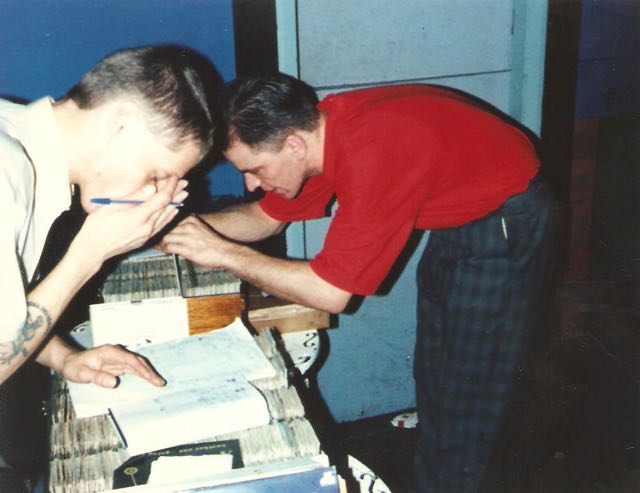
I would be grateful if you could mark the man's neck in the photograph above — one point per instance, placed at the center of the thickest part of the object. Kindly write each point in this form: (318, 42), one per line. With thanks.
(67, 115)
(315, 144)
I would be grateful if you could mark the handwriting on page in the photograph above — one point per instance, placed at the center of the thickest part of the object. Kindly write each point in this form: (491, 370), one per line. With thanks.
(189, 414)
(189, 362)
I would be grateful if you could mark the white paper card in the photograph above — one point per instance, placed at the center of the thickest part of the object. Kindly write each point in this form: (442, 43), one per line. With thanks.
(170, 469)
(134, 324)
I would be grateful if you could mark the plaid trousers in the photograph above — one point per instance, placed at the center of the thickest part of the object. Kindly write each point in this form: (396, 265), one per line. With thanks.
(479, 293)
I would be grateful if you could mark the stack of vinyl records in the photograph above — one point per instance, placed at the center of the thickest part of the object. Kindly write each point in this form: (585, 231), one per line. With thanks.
(162, 276)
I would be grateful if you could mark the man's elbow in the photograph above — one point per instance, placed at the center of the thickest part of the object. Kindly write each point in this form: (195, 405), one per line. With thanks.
(277, 227)
(336, 302)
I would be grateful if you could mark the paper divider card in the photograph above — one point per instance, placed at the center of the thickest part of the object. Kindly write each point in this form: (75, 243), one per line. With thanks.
(143, 322)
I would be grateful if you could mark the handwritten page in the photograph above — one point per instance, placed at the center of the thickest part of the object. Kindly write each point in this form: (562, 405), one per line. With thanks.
(175, 417)
(228, 351)
(189, 362)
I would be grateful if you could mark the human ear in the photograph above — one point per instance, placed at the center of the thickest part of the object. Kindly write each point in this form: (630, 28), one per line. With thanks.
(124, 116)
(296, 144)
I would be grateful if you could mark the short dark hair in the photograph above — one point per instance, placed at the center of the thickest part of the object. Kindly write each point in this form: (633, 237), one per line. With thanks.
(262, 110)
(177, 86)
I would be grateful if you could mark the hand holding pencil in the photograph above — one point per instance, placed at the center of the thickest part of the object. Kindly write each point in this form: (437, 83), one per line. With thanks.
(119, 225)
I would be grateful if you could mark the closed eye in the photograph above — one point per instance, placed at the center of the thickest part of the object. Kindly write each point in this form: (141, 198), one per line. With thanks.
(254, 171)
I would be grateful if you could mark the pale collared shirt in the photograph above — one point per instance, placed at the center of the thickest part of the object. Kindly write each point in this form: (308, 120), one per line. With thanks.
(34, 191)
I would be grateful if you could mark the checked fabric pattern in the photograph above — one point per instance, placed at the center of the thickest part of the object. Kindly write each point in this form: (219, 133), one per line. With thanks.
(479, 292)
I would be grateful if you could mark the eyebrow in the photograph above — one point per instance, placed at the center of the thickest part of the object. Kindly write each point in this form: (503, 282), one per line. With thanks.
(250, 170)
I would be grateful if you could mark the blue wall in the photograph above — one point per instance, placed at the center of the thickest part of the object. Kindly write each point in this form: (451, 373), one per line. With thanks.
(47, 45)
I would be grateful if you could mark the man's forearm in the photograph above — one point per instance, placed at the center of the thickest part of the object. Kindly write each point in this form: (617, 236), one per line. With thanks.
(292, 280)
(53, 353)
(38, 323)
(245, 222)
(44, 305)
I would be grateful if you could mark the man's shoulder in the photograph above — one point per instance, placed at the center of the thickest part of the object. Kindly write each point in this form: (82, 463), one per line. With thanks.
(10, 112)
(10, 116)
(388, 93)
(11, 149)
(15, 165)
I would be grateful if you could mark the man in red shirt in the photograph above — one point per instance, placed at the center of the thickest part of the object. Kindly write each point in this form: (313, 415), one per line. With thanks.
(396, 159)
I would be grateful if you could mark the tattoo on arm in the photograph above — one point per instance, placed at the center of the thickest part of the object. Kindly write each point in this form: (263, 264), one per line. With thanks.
(37, 318)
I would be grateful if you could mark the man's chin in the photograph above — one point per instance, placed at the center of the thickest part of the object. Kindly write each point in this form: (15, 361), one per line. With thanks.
(283, 194)
(287, 194)
(293, 195)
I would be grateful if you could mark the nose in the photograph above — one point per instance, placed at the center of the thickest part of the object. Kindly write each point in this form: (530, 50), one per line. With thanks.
(251, 182)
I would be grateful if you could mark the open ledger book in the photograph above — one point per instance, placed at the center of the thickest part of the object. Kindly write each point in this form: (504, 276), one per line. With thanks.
(208, 391)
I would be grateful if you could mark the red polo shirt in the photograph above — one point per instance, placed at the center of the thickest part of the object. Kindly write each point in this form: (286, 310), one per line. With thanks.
(398, 158)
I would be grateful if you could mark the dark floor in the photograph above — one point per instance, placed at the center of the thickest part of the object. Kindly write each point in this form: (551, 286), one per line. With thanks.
(578, 427)
(384, 449)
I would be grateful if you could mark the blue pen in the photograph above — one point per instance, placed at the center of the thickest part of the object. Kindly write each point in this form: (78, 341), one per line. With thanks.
(106, 201)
